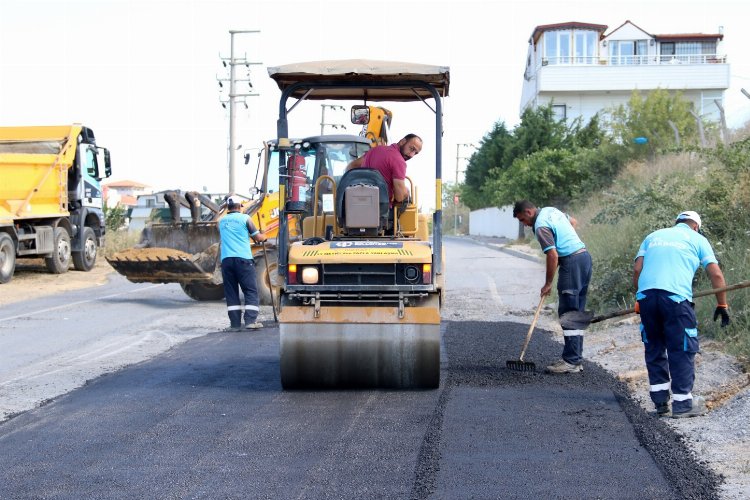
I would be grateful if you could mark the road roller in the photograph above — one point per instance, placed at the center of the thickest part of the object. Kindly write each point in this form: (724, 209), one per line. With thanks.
(362, 283)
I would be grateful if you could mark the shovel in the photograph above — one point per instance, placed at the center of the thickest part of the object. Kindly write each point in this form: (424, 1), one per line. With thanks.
(520, 365)
(580, 320)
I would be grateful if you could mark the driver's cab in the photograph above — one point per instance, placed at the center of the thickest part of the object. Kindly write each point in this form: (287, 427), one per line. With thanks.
(315, 166)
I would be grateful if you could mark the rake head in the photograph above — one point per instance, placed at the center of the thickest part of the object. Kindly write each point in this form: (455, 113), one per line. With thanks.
(520, 366)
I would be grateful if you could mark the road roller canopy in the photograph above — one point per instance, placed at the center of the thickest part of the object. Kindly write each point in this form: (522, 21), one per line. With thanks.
(355, 75)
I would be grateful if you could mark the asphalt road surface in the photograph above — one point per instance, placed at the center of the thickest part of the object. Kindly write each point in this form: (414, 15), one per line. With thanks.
(208, 419)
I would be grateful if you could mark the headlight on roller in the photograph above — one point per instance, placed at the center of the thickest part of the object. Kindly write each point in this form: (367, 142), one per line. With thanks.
(310, 275)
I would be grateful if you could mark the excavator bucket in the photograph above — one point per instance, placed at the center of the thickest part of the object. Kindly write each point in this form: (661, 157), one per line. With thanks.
(183, 252)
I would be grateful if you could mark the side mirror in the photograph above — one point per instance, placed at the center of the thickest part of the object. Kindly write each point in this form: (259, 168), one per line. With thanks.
(107, 163)
(360, 114)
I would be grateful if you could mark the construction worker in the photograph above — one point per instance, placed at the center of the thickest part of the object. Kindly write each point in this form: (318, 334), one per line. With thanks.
(562, 247)
(663, 275)
(237, 266)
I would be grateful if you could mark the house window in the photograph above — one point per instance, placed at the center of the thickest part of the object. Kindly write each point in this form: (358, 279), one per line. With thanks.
(585, 47)
(557, 47)
(628, 51)
(559, 111)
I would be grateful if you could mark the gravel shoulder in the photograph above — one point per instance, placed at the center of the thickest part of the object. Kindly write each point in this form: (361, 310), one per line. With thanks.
(32, 280)
(720, 439)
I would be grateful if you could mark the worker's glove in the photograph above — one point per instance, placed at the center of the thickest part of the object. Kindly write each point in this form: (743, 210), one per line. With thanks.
(637, 307)
(722, 311)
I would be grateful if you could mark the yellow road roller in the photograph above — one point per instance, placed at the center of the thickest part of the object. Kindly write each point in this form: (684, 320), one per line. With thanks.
(361, 290)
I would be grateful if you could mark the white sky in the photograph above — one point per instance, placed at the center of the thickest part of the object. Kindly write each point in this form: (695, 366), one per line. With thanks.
(142, 73)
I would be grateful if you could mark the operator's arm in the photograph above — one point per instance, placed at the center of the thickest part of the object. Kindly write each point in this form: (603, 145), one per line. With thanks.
(551, 258)
(255, 234)
(637, 268)
(400, 190)
(717, 281)
(573, 221)
(355, 163)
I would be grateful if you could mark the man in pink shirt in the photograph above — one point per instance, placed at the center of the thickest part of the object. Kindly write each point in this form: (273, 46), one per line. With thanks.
(390, 161)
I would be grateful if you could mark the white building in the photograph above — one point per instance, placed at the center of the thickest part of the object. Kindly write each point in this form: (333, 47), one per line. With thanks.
(581, 70)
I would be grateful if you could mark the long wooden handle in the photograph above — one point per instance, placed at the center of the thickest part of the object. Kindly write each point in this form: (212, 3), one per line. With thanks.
(631, 310)
(531, 328)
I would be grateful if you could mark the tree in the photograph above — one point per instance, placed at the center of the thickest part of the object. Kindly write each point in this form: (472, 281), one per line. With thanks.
(488, 156)
(548, 177)
(114, 217)
(650, 117)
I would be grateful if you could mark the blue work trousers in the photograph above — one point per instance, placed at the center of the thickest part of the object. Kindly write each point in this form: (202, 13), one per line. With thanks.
(240, 273)
(670, 339)
(573, 280)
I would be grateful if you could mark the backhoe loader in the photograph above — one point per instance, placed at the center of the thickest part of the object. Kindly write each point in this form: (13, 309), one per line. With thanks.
(361, 290)
(186, 252)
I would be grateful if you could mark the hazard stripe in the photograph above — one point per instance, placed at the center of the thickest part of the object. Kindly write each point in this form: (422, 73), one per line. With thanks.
(660, 387)
(573, 333)
(682, 397)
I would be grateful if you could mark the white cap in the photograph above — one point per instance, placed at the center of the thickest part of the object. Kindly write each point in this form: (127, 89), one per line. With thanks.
(689, 214)
(233, 200)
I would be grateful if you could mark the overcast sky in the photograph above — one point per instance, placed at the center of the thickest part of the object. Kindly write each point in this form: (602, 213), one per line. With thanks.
(143, 73)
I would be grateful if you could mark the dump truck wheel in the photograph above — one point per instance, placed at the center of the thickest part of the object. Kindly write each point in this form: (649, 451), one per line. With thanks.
(7, 258)
(59, 262)
(86, 258)
(261, 277)
(203, 291)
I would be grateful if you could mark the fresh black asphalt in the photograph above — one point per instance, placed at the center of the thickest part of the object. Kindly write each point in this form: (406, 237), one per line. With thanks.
(208, 419)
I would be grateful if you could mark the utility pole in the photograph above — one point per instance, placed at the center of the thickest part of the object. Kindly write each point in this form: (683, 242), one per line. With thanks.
(233, 95)
(323, 123)
(455, 197)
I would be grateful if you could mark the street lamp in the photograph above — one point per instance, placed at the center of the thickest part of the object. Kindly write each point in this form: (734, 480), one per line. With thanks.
(455, 198)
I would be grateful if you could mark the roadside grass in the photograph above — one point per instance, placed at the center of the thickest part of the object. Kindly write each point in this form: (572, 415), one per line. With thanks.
(119, 240)
(647, 196)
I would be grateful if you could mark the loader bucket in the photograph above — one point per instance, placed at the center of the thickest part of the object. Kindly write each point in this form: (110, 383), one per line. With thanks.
(171, 253)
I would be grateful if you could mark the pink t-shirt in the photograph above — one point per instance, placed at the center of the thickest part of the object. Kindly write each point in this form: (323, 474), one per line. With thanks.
(388, 161)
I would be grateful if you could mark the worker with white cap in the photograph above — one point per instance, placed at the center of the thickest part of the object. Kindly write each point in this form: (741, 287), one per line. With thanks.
(663, 275)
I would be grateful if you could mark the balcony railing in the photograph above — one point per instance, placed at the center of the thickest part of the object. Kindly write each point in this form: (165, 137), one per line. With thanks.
(649, 60)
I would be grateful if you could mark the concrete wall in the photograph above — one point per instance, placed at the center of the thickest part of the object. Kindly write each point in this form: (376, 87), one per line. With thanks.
(497, 222)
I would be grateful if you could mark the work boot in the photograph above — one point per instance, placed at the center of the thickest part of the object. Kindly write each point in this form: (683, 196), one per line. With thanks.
(563, 366)
(698, 409)
(254, 326)
(663, 410)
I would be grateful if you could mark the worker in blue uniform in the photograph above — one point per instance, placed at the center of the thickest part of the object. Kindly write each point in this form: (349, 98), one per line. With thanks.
(238, 267)
(562, 247)
(663, 275)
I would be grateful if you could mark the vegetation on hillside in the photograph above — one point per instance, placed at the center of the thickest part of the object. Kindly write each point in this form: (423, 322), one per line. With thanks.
(622, 189)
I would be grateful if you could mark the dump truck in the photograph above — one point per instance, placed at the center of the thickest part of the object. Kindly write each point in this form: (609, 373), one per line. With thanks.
(361, 290)
(186, 252)
(51, 197)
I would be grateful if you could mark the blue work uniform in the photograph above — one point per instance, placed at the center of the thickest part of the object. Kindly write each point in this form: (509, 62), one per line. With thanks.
(553, 229)
(669, 328)
(238, 268)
